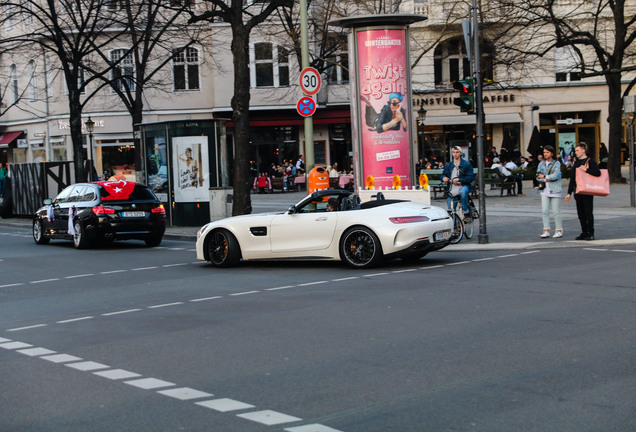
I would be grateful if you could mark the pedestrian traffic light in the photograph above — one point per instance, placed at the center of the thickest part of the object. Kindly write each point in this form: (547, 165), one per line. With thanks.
(466, 99)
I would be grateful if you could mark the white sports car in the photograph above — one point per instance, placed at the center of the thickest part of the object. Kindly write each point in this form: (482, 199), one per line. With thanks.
(360, 234)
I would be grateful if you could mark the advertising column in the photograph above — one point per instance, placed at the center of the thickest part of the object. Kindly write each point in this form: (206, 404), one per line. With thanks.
(381, 99)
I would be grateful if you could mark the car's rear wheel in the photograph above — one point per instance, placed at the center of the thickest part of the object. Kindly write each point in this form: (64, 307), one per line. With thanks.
(38, 233)
(80, 241)
(223, 248)
(153, 241)
(360, 248)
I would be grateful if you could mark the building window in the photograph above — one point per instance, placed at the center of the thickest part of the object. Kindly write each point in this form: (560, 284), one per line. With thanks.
(185, 69)
(451, 62)
(13, 82)
(114, 4)
(269, 65)
(566, 64)
(184, 3)
(123, 73)
(32, 86)
(338, 69)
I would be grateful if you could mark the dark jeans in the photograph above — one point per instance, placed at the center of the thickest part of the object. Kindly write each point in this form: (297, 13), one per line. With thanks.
(585, 211)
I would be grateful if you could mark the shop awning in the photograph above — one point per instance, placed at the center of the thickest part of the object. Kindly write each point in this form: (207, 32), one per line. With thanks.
(8, 137)
(470, 119)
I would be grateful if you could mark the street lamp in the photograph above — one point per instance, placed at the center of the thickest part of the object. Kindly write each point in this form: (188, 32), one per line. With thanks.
(90, 126)
(421, 115)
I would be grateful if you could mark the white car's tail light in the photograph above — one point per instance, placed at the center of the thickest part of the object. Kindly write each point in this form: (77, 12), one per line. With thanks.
(408, 219)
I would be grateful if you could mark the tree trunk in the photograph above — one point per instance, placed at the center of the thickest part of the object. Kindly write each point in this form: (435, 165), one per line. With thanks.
(615, 110)
(75, 122)
(241, 117)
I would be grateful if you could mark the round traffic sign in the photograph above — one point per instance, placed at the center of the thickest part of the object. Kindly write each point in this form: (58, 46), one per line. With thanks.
(306, 106)
(310, 81)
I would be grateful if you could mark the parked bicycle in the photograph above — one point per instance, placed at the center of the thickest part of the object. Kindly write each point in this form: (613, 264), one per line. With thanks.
(461, 227)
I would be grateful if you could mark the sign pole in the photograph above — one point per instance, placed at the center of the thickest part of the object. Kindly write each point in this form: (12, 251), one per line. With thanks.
(629, 108)
(304, 59)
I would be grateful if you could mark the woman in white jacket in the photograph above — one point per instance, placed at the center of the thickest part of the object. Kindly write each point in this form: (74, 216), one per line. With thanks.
(549, 175)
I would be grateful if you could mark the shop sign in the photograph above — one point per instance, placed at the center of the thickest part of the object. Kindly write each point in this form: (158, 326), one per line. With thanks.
(569, 121)
(448, 100)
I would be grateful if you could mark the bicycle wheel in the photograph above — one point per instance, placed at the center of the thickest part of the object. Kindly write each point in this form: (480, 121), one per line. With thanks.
(458, 229)
(469, 228)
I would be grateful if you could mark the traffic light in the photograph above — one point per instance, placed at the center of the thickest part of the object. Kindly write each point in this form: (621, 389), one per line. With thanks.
(466, 99)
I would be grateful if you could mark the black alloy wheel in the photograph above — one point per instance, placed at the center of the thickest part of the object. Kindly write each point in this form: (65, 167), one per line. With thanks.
(223, 248)
(360, 248)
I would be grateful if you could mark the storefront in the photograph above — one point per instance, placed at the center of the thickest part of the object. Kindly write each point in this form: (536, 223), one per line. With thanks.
(564, 130)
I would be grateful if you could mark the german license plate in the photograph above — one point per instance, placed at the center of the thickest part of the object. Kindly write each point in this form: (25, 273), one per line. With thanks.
(133, 214)
(442, 235)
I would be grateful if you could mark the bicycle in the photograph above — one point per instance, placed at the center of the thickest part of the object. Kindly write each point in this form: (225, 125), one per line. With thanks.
(461, 227)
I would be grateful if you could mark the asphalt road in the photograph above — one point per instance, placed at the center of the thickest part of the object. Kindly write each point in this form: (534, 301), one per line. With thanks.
(128, 338)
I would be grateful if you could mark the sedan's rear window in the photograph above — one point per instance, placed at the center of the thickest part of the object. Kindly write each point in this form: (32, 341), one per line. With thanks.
(139, 193)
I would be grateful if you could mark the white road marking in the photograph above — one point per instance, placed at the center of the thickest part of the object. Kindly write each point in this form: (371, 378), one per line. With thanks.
(224, 405)
(27, 328)
(74, 319)
(185, 393)
(403, 271)
(174, 265)
(458, 263)
(112, 272)
(623, 250)
(36, 352)
(176, 248)
(268, 417)
(45, 280)
(87, 366)
(529, 252)
(11, 285)
(280, 288)
(15, 345)
(432, 267)
(206, 298)
(312, 283)
(483, 259)
(149, 383)
(144, 268)
(344, 279)
(4, 340)
(61, 358)
(121, 312)
(596, 249)
(79, 276)
(115, 374)
(244, 293)
(507, 256)
(312, 428)
(376, 274)
(165, 305)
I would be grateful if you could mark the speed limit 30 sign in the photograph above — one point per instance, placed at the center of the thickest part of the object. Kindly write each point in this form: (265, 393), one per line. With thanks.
(310, 81)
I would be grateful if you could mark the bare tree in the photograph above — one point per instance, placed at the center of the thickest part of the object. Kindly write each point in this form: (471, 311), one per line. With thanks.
(242, 18)
(68, 29)
(156, 32)
(600, 35)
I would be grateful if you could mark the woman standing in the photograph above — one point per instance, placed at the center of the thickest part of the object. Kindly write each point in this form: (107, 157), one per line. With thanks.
(549, 175)
(584, 203)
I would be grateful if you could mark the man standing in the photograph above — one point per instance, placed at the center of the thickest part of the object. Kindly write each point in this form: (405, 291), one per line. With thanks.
(461, 175)
(300, 165)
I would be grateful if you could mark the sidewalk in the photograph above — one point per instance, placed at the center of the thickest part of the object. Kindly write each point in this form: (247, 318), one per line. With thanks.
(511, 223)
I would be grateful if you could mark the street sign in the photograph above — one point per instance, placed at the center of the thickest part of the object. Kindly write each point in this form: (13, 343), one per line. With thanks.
(310, 81)
(306, 106)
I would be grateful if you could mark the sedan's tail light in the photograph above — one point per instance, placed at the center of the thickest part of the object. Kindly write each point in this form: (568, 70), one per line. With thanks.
(159, 209)
(408, 219)
(101, 210)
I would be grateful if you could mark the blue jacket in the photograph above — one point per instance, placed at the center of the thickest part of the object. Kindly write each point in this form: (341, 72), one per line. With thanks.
(554, 178)
(466, 172)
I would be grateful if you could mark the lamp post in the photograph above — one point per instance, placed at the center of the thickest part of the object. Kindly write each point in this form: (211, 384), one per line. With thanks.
(629, 109)
(90, 126)
(421, 115)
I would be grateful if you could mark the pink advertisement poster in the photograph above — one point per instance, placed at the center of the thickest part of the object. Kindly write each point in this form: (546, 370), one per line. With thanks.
(385, 110)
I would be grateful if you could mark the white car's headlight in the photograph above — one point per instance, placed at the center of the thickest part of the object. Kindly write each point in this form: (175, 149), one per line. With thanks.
(200, 232)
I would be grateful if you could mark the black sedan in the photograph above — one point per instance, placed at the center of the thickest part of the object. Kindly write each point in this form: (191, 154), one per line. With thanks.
(102, 211)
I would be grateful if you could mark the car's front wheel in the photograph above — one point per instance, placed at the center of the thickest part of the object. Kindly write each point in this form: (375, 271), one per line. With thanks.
(38, 233)
(223, 248)
(360, 248)
(80, 241)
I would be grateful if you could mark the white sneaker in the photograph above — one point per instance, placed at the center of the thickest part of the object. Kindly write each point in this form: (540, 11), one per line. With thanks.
(558, 234)
(545, 234)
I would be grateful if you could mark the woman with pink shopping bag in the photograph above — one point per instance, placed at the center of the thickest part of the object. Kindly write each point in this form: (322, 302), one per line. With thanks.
(584, 203)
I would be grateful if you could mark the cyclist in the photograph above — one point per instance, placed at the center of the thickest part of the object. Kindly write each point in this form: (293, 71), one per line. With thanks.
(462, 175)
